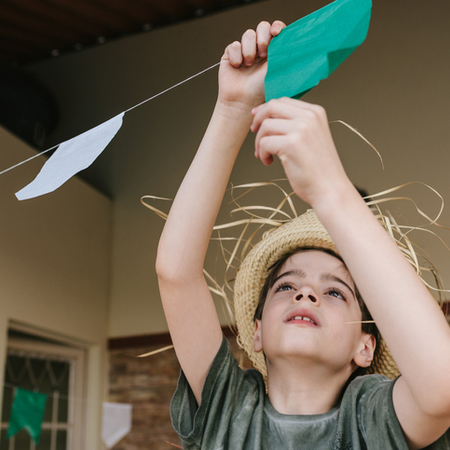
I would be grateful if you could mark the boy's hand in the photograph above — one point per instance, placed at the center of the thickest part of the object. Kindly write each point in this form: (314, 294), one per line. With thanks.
(298, 133)
(244, 66)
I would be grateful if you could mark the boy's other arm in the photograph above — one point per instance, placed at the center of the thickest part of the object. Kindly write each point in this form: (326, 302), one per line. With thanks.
(190, 313)
(406, 314)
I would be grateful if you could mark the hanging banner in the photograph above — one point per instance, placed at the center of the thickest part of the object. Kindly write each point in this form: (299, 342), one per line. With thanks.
(71, 157)
(27, 412)
(309, 49)
(304, 53)
(116, 422)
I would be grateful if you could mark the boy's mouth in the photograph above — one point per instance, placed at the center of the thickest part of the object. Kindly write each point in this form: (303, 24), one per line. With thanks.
(302, 316)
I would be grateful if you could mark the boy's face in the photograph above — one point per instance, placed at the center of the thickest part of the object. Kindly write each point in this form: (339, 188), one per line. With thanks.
(307, 315)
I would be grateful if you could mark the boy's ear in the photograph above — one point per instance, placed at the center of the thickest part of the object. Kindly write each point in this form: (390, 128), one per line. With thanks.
(257, 343)
(366, 350)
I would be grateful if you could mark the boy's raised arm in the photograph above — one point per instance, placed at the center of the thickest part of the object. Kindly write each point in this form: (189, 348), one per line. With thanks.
(405, 312)
(187, 302)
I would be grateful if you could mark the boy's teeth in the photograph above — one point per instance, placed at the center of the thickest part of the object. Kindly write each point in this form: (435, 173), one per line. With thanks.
(303, 318)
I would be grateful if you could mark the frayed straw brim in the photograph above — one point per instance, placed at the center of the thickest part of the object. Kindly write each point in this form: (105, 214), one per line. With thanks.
(285, 235)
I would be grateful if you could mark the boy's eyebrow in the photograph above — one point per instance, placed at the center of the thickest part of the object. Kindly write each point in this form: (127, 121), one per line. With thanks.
(297, 272)
(331, 277)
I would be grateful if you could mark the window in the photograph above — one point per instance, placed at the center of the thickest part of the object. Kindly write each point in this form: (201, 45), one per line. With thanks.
(56, 370)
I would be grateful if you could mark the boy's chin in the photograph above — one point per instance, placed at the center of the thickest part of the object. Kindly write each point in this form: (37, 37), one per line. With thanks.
(292, 354)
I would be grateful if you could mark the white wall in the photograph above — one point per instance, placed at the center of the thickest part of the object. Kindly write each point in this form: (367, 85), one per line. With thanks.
(394, 89)
(54, 266)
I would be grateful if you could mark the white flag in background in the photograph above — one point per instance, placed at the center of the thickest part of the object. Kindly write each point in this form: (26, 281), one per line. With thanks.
(116, 422)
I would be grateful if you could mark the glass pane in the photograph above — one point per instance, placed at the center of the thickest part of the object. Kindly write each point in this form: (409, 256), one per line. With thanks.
(63, 410)
(18, 372)
(3, 442)
(61, 372)
(48, 407)
(22, 440)
(44, 440)
(7, 403)
(61, 440)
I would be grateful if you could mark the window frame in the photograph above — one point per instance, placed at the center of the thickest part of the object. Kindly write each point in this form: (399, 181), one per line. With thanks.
(76, 438)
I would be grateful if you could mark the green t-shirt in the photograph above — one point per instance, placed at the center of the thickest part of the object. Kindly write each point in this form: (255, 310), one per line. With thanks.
(235, 414)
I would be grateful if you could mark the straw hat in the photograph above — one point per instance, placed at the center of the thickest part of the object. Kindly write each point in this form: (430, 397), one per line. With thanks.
(303, 231)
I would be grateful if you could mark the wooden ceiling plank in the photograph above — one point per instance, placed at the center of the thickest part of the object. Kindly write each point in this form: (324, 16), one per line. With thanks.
(134, 10)
(24, 36)
(175, 9)
(90, 12)
(207, 5)
(36, 24)
(18, 53)
(54, 15)
(13, 48)
(33, 28)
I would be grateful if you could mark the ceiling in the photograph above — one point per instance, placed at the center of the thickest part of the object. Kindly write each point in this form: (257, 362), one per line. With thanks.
(39, 30)
(32, 30)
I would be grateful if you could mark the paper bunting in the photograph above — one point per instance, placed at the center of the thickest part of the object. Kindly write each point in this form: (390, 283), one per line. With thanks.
(304, 53)
(116, 422)
(27, 412)
(311, 48)
(71, 157)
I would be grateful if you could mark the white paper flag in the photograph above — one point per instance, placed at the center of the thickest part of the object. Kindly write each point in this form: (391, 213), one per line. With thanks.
(71, 157)
(116, 422)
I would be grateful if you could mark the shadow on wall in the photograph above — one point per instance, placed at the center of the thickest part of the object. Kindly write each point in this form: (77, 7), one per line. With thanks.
(27, 108)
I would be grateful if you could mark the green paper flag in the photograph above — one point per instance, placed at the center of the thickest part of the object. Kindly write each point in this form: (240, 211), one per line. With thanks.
(311, 48)
(27, 412)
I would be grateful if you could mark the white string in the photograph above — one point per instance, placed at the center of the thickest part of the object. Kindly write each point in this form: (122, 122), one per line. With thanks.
(127, 110)
(29, 159)
(172, 87)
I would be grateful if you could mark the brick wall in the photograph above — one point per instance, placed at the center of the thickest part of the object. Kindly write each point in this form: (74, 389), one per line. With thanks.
(148, 384)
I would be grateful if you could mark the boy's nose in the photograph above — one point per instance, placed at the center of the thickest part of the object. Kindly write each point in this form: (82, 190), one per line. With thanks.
(307, 293)
(298, 297)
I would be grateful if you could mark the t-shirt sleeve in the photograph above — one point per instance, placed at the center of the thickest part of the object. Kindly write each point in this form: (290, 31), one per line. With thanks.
(379, 423)
(377, 420)
(226, 392)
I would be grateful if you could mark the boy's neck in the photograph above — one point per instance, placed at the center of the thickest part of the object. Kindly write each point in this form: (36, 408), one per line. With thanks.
(293, 391)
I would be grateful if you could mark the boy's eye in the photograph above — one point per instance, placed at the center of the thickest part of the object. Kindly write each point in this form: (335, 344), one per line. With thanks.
(336, 293)
(283, 287)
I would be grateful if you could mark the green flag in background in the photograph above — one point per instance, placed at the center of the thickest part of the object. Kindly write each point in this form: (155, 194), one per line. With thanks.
(309, 49)
(27, 412)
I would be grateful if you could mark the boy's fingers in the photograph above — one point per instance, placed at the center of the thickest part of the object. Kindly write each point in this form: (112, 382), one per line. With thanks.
(249, 51)
(263, 37)
(276, 27)
(265, 157)
(256, 109)
(253, 44)
(271, 127)
(234, 54)
(283, 108)
(269, 146)
(280, 108)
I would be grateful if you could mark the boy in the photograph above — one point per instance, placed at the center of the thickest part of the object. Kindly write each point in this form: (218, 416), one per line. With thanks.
(310, 349)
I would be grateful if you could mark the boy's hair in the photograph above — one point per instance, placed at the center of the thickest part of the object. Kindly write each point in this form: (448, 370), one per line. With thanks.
(273, 272)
